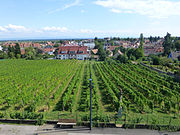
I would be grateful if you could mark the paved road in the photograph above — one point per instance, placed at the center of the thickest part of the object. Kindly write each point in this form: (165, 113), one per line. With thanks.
(50, 130)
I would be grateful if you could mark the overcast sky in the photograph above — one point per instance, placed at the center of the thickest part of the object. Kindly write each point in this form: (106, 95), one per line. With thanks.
(25, 19)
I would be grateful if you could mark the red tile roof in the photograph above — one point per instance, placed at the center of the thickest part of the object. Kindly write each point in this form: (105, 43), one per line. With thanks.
(77, 49)
(111, 48)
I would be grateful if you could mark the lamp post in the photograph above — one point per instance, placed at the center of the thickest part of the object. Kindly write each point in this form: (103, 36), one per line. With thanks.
(90, 100)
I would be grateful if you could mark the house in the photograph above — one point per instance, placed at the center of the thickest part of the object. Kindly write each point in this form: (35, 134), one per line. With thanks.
(111, 49)
(49, 51)
(1, 48)
(73, 52)
(90, 45)
(94, 51)
(22, 51)
(153, 49)
(117, 54)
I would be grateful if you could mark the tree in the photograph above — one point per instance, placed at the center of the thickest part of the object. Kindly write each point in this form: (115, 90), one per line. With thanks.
(167, 44)
(151, 39)
(9, 50)
(17, 50)
(138, 53)
(165, 61)
(101, 53)
(18, 56)
(179, 57)
(30, 53)
(12, 55)
(56, 52)
(3, 55)
(108, 53)
(56, 45)
(122, 58)
(156, 60)
(141, 48)
(130, 52)
(177, 45)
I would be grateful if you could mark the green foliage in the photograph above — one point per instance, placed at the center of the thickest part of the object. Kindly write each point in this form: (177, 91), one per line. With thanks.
(122, 59)
(18, 56)
(138, 53)
(3, 55)
(168, 44)
(99, 44)
(156, 60)
(12, 55)
(17, 50)
(101, 53)
(31, 87)
(177, 72)
(30, 53)
(56, 45)
(165, 61)
(177, 45)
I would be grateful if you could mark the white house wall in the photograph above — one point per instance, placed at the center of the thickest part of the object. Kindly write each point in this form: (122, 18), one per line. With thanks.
(78, 56)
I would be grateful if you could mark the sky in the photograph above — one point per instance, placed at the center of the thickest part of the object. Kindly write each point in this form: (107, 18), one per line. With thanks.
(35, 19)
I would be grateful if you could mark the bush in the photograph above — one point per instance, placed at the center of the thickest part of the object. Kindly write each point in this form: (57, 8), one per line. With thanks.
(156, 60)
(2, 115)
(165, 61)
(122, 59)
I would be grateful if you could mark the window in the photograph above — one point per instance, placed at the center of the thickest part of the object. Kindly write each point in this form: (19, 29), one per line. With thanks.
(80, 51)
(72, 52)
(63, 51)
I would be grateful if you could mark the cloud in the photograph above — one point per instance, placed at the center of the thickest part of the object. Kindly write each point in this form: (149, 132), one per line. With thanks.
(86, 31)
(2, 29)
(17, 28)
(13, 28)
(75, 3)
(116, 10)
(57, 29)
(150, 8)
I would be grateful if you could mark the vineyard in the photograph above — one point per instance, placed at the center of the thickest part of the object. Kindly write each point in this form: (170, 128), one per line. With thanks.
(46, 88)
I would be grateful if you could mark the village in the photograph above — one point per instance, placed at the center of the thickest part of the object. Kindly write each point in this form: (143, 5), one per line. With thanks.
(84, 49)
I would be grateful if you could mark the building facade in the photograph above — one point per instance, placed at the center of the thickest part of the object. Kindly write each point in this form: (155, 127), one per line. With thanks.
(73, 52)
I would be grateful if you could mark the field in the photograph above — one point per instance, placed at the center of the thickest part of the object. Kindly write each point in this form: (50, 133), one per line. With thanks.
(60, 88)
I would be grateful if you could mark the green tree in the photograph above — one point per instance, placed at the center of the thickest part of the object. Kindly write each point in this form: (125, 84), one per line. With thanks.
(165, 61)
(122, 58)
(101, 53)
(18, 56)
(12, 55)
(3, 55)
(17, 50)
(151, 39)
(156, 60)
(167, 44)
(56, 45)
(130, 52)
(30, 53)
(177, 45)
(10, 49)
(138, 53)
(179, 57)
(108, 53)
(141, 47)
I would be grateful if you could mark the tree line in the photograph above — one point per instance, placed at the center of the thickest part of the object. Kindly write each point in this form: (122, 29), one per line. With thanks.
(30, 53)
